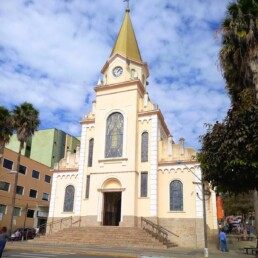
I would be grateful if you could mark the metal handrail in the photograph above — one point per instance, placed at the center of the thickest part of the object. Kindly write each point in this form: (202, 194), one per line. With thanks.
(156, 230)
(79, 220)
(169, 231)
(60, 221)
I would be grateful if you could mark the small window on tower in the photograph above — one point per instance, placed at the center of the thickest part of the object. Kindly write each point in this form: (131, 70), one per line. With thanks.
(134, 74)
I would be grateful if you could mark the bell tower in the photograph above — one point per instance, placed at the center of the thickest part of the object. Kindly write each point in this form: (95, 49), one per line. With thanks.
(125, 62)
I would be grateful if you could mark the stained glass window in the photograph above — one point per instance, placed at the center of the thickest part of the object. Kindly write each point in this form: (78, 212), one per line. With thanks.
(144, 146)
(114, 135)
(176, 196)
(69, 198)
(91, 144)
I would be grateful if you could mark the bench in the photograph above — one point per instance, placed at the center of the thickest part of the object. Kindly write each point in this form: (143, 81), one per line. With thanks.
(252, 249)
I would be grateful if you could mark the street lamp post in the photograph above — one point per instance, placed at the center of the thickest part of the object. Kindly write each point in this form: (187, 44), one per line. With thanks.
(206, 250)
(202, 182)
(13, 200)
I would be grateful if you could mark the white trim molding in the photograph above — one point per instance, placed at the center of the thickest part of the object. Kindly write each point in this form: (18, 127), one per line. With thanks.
(78, 196)
(198, 190)
(154, 166)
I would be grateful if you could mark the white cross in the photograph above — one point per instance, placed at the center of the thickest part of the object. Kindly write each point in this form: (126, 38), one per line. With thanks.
(127, 3)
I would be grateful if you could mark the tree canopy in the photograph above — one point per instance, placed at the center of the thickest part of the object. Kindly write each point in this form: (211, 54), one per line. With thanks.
(239, 53)
(229, 152)
(6, 128)
(237, 205)
(26, 121)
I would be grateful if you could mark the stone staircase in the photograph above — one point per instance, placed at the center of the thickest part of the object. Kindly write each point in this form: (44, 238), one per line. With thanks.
(104, 236)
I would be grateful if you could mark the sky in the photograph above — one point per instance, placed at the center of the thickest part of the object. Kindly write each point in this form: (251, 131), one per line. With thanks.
(52, 52)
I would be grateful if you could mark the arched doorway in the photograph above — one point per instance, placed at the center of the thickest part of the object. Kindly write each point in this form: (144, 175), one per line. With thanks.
(112, 208)
(112, 194)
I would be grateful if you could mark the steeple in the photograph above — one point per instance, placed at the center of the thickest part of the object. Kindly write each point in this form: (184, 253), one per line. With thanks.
(126, 43)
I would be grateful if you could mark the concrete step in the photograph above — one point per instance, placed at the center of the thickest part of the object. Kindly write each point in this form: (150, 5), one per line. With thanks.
(106, 236)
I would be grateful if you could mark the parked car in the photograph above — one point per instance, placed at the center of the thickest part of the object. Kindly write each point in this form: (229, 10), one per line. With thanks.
(23, 233)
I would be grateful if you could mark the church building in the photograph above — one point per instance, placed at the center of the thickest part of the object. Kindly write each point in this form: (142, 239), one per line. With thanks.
(128, 166)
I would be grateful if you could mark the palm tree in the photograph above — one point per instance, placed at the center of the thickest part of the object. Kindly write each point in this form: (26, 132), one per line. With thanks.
(239, 52)
(6, 129)
(239, 58)
(26, 121)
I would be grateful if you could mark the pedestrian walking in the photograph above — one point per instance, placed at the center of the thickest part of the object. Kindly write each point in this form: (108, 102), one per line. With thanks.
(3, 238)
(223, 241)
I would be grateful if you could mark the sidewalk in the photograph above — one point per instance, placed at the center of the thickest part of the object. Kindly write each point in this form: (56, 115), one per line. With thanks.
(235, 250)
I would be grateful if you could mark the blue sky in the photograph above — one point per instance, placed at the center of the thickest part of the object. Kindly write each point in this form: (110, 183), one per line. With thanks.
(52, 51)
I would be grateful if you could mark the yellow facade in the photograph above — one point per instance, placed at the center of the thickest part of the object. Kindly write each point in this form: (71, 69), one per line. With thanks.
(135, 181)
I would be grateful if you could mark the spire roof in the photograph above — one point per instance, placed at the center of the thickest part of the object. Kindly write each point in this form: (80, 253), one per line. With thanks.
(126, 43)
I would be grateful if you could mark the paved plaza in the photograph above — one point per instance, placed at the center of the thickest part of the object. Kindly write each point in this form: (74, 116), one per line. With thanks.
(236, 250)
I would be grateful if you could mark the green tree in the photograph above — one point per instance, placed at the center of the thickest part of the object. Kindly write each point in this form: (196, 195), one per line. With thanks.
(238, 205)
(229, 153)
(26, 122)
(6, 129)
(239, 52)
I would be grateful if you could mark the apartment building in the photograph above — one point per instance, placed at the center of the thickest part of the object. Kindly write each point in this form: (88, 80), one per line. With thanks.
(46, 146)
(32, 192)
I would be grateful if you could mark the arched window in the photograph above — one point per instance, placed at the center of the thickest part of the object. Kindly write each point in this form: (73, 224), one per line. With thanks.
(134, 74)
(144, 147)
(91, 144)
(114, 135)
(69, 198)
(176, 196)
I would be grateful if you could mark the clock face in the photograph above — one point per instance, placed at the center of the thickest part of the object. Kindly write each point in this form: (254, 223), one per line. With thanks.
(117, 71)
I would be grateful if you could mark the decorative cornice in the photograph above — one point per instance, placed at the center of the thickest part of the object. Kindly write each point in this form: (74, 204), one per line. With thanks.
(121, 85)
(160, 116)
(118, 55)
(87, 121)
(177, 163)
(114, 172)
(103, 190)
(64, 170)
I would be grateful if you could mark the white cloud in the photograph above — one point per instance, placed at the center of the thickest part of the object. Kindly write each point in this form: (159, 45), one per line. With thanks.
(51, 54)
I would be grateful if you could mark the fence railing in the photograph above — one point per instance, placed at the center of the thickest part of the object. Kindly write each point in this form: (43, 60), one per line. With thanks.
(56, 225)
(157, 231)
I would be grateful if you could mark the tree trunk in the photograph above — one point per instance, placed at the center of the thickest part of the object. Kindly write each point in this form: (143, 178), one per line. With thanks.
(256, 217)
(254, 71)
(1, 152)
(14, 187)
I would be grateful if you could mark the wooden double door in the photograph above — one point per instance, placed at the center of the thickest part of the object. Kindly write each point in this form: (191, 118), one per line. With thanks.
(112, 208)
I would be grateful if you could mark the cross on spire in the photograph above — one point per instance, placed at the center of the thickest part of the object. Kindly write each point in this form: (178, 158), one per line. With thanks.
(127, 3)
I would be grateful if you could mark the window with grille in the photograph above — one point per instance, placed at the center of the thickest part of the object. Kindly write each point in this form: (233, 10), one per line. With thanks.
(176, 196)
(17, 211)
(30, 213)
(114, 135)
(19, 189)
(69, 198)
(8, 164)
(45, 197)
(144, 147)
(35, 174)
(144, 184)
(33, 193)
(2, 208)
(90, 156)
(4, 186)
(22, 169)
(47, 178)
